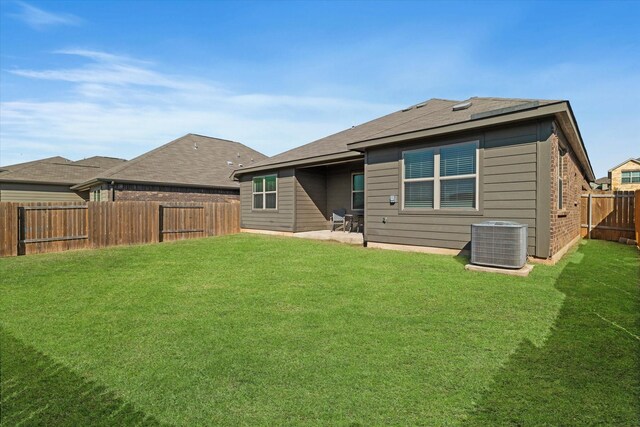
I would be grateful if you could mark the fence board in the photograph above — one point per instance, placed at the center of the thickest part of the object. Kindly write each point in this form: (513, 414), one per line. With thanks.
(613, 215)
(9, 228)
(56, 226)
(636, 214)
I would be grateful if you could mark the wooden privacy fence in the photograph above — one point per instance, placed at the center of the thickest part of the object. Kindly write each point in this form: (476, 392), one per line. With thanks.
(610, 216)
(30, 228)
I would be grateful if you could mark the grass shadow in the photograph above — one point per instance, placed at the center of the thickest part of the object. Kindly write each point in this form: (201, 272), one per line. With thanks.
(588, 370)
(35, 390)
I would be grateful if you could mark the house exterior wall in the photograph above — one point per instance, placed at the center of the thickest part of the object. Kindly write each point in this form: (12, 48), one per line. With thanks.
(321, 190)
(616, 177)
(311, 199)
(339, 186)
(280, 219)
(158, 193)
(512, 178)
(99, 193)
(15, 192)
(565, 221)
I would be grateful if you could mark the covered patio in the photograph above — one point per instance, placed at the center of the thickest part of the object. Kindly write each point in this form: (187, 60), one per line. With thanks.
(324, 189)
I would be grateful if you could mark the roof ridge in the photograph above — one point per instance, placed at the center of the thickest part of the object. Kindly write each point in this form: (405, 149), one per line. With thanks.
(32, 162)
(99, 157)
(225, 140)
(266, 160)
(211, 137)
(416, 118)
(631, 159)
(174, 160)
(135, 160)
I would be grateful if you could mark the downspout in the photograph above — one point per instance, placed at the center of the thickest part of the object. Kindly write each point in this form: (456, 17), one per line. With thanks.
(113, 191)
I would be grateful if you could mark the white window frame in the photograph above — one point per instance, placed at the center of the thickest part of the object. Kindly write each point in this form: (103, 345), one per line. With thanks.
(264, 193)
(356, 191)
(437, 178)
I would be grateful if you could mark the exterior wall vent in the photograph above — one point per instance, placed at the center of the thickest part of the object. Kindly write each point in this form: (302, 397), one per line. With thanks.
(499, 244)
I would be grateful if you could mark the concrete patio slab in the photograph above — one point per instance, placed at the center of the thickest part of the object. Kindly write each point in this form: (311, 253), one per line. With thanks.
(338, 236)
(523, 272)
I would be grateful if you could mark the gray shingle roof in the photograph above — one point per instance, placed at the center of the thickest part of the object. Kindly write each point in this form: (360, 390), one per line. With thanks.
(631, 159)
(192, 160)
(55, 159)
(100, 161)
(58, 172)
(426, 115)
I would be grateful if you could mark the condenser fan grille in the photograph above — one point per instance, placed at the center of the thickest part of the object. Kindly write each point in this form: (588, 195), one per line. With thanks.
(499, 244)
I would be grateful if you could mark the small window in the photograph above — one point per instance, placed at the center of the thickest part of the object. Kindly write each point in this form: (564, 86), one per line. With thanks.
(630, 177)
(357, 191)
(441, 178)
(265, 192)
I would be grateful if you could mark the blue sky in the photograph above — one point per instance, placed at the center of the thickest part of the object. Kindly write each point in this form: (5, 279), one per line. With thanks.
(83, 78)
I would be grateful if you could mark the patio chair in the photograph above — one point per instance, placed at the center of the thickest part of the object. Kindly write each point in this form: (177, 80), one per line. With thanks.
(337, 219)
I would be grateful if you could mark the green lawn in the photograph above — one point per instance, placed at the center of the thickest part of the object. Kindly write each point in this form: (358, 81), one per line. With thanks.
(256, 330)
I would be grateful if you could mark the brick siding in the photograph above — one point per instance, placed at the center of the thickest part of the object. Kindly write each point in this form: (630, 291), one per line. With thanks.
(126, 192)
(565, 222)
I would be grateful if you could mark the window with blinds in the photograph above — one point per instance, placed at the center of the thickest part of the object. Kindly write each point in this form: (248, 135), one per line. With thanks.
(265, 192)
(441, 178)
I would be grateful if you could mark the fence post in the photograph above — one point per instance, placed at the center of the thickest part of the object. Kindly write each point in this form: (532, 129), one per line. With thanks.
(22, 231)
(636, 206)
(589, 217)
(160, 221)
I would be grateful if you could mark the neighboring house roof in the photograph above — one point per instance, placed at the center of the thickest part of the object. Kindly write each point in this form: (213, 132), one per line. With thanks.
(189, 161)
(603, 180)
(55, 172)
(100, 161)
(55, 159)
(438, 116)
(625, 162)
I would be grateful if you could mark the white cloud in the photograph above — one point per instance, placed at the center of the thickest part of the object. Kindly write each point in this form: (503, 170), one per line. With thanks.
(120, 106)
(40, 19)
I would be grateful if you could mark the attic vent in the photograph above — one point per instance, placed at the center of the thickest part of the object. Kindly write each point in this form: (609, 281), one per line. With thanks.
(229, 163)
(462, 106)
(421, 105)
(240, 165)
(195, 145)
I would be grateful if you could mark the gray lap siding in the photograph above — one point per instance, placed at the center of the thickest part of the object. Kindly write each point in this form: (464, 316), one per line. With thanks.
(508, 190)
(311, 199)
(281, 219)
